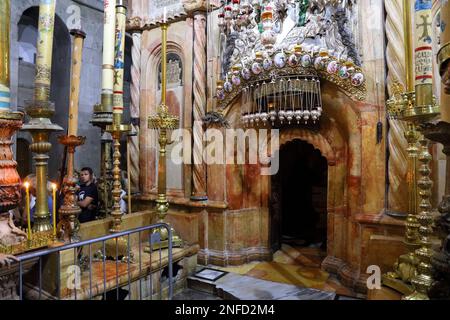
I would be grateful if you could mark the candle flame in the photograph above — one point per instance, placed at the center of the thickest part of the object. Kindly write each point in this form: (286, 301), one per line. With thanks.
(26, 185)
(54, 186)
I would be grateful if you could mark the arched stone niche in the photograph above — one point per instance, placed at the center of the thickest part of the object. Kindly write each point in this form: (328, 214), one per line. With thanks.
(179, 101)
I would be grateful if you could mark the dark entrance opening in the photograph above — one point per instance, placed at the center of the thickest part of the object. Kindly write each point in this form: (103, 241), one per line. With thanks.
(299, 197)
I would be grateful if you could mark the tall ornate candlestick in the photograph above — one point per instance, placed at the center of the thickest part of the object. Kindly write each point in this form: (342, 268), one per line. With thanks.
(164, 122)
(102, 116)
(10, 122)
(416, 108)
(404, 98)
(423, 281)
(117, 128)
(68, 225)
(422, 112)
(41, 110)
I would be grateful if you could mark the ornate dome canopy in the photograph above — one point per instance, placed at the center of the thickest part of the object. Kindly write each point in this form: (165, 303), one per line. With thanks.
(264, 42)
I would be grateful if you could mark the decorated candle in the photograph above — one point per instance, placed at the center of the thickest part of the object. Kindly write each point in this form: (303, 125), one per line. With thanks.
(109, 31)
(424, 50)
(119, 60)
(77, 55)
(44, 50)
(423, 53)
(4, 55)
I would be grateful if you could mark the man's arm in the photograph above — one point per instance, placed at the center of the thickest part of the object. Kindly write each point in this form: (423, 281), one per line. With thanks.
(86, 202)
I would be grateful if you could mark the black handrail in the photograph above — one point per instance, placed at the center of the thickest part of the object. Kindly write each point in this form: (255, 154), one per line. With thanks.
(44, 252)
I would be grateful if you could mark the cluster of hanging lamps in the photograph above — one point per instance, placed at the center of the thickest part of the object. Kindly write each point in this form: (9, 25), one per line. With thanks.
(283, 100)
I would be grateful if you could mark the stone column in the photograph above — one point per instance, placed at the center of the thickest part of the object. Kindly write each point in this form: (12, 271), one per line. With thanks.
(395, 57)
(135, 109)
(199, 106)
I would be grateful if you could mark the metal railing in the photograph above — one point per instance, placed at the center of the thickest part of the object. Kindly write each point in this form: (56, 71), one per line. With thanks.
(30, 268)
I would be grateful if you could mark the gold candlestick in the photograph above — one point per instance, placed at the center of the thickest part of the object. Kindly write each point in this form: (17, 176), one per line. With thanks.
(69, 225)
(412, 107)
(41, 110)
(423, 280)
(163, 121)
(425, 110)
(117, 128)
(102, 116)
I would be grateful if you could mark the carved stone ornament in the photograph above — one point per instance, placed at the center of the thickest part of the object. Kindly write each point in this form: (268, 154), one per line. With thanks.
(199, 5)
(134, 24)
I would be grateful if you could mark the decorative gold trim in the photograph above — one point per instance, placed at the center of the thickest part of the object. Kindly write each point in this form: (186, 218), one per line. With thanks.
(11, 115)
(354, 92)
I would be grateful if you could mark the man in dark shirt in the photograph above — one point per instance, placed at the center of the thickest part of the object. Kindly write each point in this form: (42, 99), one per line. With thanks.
(87, 196)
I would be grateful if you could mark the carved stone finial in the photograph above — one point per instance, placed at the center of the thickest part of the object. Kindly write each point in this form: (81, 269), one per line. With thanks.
(200, 5)
(134, 24)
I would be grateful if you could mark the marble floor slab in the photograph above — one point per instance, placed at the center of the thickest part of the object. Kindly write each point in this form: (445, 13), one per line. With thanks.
(248, 288)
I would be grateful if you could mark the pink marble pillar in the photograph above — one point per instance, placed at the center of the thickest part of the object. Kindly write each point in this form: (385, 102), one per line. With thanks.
(199, 107)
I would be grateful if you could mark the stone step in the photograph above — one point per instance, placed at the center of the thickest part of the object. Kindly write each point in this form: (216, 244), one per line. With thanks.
(201, 285)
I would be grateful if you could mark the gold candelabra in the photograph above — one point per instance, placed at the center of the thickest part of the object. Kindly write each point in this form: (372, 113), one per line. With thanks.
(423, 279)
(164, 122)
(117, 128)
(416, 108)
(40, 110)
(69, 225)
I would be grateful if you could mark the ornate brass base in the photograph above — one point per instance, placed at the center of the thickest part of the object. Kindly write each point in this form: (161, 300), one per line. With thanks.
(38, 240)
(397, 284)
(405, 270)
(117, 249)
(163, 242)
(41, 127)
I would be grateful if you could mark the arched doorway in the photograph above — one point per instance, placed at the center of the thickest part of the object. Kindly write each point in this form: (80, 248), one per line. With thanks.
(60, 87)
(299, 197)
